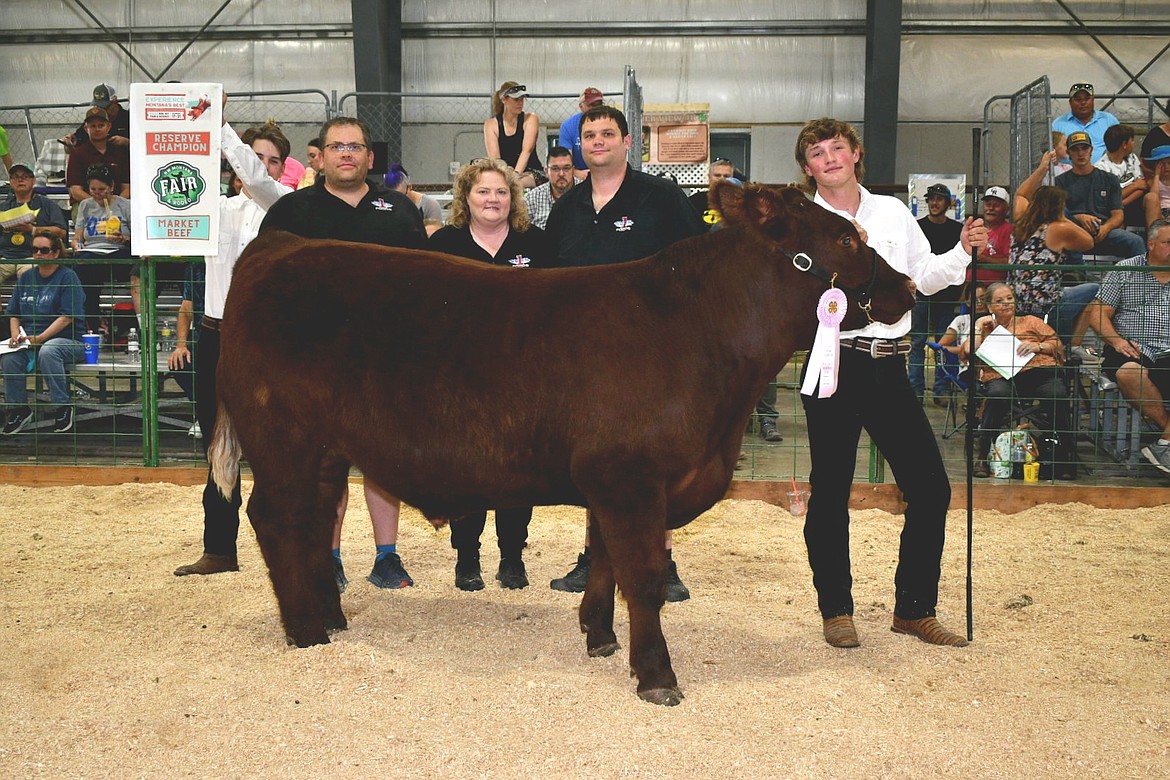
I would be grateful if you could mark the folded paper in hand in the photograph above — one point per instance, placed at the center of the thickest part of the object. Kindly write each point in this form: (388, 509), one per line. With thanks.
(999, 351)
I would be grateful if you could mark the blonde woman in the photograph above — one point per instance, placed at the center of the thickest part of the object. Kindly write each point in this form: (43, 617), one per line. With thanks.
(510, 135)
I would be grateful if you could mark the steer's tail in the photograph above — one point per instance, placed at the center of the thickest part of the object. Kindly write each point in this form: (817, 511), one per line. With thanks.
(224, 454)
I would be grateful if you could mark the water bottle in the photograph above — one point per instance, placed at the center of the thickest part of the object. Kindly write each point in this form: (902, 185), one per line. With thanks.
(132, 341)
(166, 336)
(1018, 457)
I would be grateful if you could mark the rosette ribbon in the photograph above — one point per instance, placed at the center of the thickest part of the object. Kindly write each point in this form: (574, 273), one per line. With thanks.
(824, 357)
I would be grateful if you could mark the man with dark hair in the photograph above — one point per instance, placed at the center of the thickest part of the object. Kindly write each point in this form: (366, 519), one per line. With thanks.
(316, 157)
(540, 200)
(933, 313)
(1120, 160)
(1094, 201)
(343, 204)
(99, 149)
(874, 394)
(259, 162)
(616, 215)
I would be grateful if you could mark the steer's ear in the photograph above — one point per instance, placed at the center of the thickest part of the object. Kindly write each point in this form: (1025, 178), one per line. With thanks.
(727, 198)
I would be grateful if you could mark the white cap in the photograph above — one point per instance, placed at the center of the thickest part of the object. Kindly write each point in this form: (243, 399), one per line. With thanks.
(997, 192)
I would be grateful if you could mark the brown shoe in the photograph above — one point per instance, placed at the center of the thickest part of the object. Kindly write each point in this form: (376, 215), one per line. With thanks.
(840, 632)
(929, 630)
(981, 469)
(209, 564)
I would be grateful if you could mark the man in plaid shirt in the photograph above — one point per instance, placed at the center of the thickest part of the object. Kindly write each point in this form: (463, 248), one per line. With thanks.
(540, 200)
(1134, 321)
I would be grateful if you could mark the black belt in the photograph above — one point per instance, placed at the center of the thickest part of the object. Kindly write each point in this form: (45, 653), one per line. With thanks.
(878, 348)
(214, 323)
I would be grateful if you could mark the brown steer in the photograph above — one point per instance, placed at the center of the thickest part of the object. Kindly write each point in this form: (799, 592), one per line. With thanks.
(460, 386)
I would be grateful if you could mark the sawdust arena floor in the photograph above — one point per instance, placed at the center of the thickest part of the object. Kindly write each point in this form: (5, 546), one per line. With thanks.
(114, 668)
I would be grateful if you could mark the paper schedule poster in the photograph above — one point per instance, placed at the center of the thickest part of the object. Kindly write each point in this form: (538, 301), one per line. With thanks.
(174, 160)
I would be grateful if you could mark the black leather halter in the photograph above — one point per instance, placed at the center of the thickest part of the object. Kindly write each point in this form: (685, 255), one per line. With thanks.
(862, 295)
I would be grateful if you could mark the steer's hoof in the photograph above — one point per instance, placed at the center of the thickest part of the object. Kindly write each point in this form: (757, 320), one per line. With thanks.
(667, 697)
(604, 651)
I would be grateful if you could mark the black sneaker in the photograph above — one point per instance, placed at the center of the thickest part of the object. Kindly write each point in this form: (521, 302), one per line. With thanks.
(675, 590)
(17, 419)
(467, 573)
(574, 581)
(388, 573)
(339, 574)
(512, 574)
(64, 420)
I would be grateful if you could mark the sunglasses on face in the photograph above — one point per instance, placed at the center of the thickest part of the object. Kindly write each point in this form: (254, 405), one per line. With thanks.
(42, 250)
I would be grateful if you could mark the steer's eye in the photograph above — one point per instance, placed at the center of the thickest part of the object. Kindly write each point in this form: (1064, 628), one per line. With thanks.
(846, 241)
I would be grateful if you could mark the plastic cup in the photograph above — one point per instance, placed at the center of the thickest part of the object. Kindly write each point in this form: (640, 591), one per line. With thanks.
(797, 502)
(91, 342)
(1032, 472)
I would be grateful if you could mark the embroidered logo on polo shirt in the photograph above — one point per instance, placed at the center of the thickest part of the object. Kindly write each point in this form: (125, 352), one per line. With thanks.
(520, 261)
(623, 224)
(382, 205)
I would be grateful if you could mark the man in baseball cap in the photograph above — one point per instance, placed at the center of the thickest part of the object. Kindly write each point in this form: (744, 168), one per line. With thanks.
(105, 98)
(16, 239)
(1093, 198)
(570, 135)
(1083, 116)
(996, 204)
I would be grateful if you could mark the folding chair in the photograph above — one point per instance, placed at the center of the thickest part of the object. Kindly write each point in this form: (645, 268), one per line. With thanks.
(949, 368)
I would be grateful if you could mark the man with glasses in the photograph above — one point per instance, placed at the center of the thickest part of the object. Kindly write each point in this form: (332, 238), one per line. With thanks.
(45, 315)
(540, 199)
(16, 240)
(342, 204)
(1084, 117)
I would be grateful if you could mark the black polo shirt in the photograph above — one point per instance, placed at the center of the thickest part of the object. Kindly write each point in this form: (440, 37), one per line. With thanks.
(519, 250)
(383, 216)
(645, 215)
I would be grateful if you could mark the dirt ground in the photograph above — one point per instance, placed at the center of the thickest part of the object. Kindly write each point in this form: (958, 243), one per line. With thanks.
(115, 668)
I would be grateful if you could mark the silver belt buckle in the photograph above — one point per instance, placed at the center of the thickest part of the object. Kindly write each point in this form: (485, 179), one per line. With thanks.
(873, 348)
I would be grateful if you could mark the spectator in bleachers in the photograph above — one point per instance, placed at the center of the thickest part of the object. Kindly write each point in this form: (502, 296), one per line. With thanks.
(16, 240)
(315, 157)
(1060, 162)
(119, 133)
(956, 338)
(1157, 201)
(1039, 379)
(570, 132)
(258, 158)
(1094, 200)
(1158, 136)
(933, 312)
(1083, 117)
(1120, 160)
(1043, 237)
(398, 179)
(45, 314)
(343, 205)
(1133, 318)
(999, 235)
(98, 150)
(511, 135)
(540, 199)
(102, 229)
(489, 223)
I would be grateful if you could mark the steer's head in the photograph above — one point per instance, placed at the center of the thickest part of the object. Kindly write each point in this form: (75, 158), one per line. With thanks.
(820, 246)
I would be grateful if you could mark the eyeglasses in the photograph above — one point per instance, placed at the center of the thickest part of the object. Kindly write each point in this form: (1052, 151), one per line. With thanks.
(43, 250)
(343, 148)
(560, 168)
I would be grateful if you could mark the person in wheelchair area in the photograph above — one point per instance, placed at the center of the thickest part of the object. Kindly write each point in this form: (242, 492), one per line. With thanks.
(1040, 379)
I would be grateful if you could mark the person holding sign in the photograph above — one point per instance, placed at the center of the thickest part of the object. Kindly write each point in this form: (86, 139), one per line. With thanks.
(1025, 365)
(258, 159)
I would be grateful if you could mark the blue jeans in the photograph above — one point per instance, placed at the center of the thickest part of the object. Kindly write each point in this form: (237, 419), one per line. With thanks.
(53, 358)
(1121, 243)
(1069, 306)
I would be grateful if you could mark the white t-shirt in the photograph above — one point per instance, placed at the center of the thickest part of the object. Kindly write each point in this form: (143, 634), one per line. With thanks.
(1127, 170)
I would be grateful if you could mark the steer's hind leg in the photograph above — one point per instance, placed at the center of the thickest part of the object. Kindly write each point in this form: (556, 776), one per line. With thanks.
(597, 604)
(632, 542)
(294, 532)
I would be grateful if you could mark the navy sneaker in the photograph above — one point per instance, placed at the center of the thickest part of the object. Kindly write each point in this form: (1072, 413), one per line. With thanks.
(17, 419)
(388, 573)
